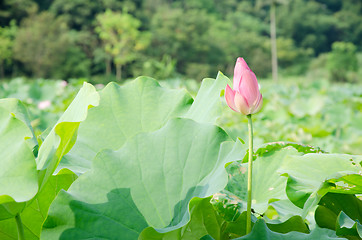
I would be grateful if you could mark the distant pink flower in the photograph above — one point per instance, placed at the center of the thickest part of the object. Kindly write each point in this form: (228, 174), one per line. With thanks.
(245, 96)
(44, 104)
(99, 85)
(63, 83)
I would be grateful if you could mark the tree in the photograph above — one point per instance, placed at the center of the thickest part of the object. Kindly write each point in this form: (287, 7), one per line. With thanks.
(185, 35)
(7, 35)
(273, 33)
(41, 43)
(342, 60)
(245, 35)
(16, 10)
(121, 37)
(310, 24)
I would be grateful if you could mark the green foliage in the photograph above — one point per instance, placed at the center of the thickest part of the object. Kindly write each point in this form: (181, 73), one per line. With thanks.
(17, 131)
(261, 231)
(7, 35)
(160, 69)
(80, 14)
(31, 190)
(41, 44)
(35, 211)
(121, 38)
(338, 212)
(75, 64)
(317, 31)
(289, 54)
(342, 60)
(174, 30)
(348, 18)
(197, 36)
(13, 10)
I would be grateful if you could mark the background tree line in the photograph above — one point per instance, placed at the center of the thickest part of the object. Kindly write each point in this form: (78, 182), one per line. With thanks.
(167, 38)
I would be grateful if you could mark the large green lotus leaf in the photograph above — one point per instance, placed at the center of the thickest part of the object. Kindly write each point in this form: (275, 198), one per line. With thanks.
(207, 105)
(261, 231)
(268, 185)
(351, 184)
(295, 223)
(283, 210)
(18, 174)
(238, 228)
(17, 108)
(203, 220)
(275, 146)
(307, 175)
(348, 227)
(34, 213)
(228, 205)
(63, 135)
(141, 105)
(148, 182)
(267, 182)
(335, 210)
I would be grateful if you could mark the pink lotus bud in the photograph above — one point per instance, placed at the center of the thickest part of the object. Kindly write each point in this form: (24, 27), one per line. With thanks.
(245, 98)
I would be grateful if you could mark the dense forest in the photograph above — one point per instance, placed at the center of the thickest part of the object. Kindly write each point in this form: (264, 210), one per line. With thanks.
(168, 38)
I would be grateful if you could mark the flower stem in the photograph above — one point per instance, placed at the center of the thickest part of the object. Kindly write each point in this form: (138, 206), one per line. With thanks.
(250, 172)
(20, 227)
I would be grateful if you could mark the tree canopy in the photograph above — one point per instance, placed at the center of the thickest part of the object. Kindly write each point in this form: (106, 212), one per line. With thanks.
(194, 38)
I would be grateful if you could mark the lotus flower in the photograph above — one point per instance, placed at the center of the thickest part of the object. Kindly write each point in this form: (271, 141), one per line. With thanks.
(245, 98)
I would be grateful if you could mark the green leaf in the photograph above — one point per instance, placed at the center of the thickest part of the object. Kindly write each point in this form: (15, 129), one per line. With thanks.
(207, 105)
(349, 184)
(228, 205)
(238, 227)
(261, 231)
(34, 213)
(204, 220)
(267, 183)
(19, 111)
(283, 210)
(152, 178)
(22, 185)
(347, 226)
(307, 175)
(18, 169)
(124, 111)
(274, 146)
(63, 135)
(295, 223)
(335, 210)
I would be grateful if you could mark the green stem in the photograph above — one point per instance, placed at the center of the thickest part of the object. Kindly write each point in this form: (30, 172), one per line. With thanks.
(250, 172)
(20, 227)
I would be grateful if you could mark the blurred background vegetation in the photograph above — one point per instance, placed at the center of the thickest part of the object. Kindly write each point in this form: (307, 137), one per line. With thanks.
(104, 39)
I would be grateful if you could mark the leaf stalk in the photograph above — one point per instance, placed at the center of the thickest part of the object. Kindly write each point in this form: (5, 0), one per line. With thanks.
(19, 224)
